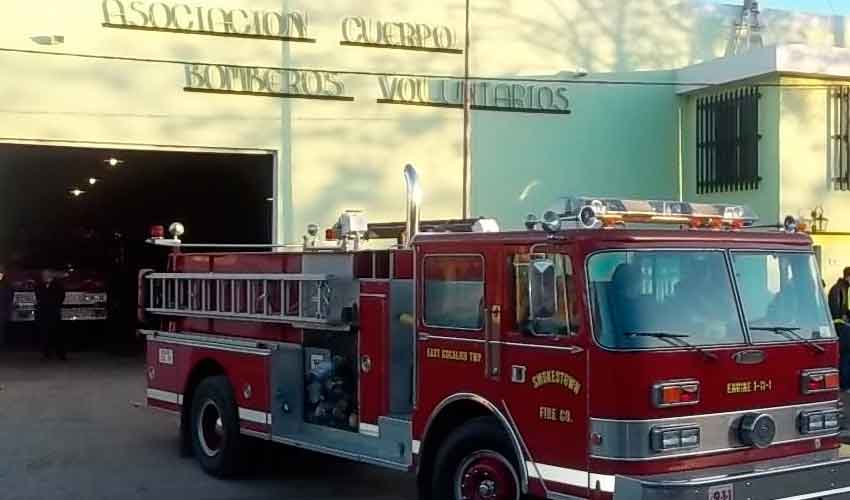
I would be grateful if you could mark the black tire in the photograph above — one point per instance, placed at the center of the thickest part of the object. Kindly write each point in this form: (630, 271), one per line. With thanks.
(479, 437)
(214, 427)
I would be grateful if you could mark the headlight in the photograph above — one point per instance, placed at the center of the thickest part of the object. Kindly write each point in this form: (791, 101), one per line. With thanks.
(674, 438)
(814, 422)
(95, 298)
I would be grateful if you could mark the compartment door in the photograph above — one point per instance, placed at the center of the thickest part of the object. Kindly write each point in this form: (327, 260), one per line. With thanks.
(374, 359)
(287, 390)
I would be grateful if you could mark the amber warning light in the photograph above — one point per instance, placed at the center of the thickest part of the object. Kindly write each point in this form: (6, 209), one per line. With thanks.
(815, 381)
(675, 393)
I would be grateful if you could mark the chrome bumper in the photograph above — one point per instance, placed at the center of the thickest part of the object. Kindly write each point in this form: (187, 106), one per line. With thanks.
(817, 476)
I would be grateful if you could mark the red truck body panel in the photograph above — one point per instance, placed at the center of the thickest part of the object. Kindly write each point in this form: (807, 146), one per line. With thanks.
(553, 392)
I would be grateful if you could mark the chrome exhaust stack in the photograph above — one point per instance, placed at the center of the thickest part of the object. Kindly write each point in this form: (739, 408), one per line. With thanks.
(414, 200)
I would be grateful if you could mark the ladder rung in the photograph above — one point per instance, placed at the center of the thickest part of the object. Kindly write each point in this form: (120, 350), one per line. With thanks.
(238, 276)
(303, 298)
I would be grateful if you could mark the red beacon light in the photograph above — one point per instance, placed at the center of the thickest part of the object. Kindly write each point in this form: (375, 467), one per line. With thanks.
(157, 232)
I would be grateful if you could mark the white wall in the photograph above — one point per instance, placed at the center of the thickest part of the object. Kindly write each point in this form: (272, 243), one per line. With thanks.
(335, 155)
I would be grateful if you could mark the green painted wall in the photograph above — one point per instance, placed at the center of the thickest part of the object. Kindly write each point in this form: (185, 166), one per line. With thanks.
(765, 199)
(620, 140)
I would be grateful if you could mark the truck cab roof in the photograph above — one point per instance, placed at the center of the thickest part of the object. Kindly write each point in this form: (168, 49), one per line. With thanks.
(713, 238)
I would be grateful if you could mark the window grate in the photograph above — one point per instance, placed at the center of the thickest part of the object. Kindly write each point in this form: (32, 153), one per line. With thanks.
(728, 141)
(840, 134)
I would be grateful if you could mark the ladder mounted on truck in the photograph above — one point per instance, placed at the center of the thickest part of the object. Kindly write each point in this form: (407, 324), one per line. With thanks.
(319, 301)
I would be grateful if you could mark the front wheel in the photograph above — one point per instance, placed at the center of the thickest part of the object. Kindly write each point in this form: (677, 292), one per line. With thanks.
(215, 427)
(476, 462)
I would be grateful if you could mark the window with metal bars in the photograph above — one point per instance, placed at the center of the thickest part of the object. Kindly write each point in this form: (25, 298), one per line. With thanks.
(839, 118)
(728, 141)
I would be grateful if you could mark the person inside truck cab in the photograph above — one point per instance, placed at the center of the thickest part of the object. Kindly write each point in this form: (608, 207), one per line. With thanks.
(633, 309)
(686, 306)
(695, 300)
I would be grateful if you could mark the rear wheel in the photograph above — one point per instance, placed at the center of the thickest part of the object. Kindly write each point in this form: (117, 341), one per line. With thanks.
(476, 462)
(215, 427)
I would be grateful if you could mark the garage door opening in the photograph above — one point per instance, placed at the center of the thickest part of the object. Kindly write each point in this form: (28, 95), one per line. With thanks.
(83, 215)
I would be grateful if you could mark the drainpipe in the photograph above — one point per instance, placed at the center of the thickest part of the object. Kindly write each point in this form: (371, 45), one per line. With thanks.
(680, 146)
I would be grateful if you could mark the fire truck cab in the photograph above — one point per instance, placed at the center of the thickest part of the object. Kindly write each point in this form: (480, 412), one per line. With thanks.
(591, 356)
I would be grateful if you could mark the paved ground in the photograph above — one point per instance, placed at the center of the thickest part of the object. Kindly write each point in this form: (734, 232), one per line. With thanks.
(79, 431)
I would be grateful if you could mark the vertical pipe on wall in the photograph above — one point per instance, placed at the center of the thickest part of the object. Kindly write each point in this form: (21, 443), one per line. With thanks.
(845, 139)
(467, 121)
(680, 152)
(284, 205)
(699, 145)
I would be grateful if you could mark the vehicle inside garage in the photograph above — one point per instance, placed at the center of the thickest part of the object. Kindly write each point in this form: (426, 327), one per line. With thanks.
(83, 214)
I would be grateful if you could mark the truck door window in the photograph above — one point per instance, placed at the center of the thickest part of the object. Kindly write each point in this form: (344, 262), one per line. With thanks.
(781, 292)
(561, 299)
(454, 292)
(658, 298)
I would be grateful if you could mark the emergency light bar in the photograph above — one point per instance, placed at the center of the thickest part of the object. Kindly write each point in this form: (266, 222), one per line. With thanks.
(591, 213)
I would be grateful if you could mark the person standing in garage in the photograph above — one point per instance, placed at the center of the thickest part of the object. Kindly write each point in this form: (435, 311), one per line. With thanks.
(49, 296)
(6, 296)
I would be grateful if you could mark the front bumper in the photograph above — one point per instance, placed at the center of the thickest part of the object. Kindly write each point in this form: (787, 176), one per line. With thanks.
(817, 476)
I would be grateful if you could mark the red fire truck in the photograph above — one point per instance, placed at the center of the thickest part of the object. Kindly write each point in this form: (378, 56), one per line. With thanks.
(85, 294)
(594, 355)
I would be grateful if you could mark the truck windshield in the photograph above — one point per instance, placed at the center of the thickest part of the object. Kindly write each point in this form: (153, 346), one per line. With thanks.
(781, 295)
(643, 299)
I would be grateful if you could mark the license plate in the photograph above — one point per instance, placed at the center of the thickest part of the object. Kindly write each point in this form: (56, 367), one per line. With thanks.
(722, 492)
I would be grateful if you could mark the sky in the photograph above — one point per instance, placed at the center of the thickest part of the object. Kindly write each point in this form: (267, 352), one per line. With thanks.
(839, 7)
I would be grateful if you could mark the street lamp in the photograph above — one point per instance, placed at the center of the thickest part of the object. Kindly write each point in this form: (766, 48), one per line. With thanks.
(93, 181)
(113, 162)
(76, 192)
(819, 221)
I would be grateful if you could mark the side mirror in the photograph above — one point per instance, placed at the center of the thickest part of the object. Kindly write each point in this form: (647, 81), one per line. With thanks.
(542, 289)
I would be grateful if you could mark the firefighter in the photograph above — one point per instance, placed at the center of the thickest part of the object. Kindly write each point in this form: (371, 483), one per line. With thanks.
(838, 303)
(48, 312)
(838, 307)
(6, 296)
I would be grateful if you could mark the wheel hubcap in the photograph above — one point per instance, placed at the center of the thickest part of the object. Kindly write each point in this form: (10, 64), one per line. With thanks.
(211, 433)
(486, 475)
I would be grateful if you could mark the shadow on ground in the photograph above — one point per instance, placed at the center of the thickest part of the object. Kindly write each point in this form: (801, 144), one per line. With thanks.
(80, 430)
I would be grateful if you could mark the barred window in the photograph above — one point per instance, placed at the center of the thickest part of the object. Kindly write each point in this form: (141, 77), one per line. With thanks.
(839, 154)
(728, 141)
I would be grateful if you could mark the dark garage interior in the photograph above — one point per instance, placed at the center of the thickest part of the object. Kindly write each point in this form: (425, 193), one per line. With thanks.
(89, 210)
